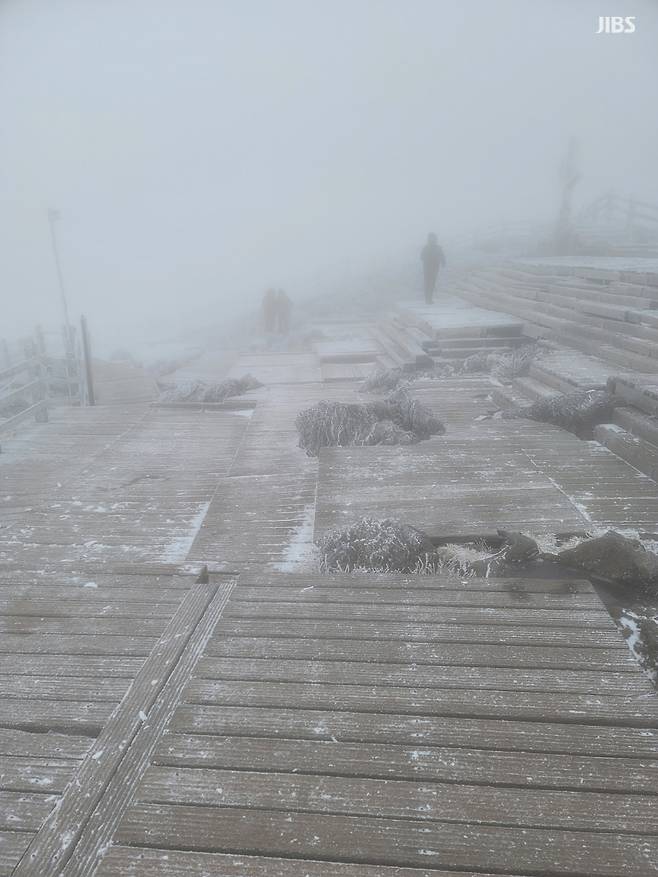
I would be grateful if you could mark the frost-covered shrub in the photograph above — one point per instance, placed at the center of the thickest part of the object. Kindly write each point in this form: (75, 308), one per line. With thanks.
(342, 424)
(379, 545)
(579, 412)
(201, 391)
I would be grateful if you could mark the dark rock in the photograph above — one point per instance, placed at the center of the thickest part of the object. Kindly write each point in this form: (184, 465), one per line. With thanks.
(615, 558)
(518, 548)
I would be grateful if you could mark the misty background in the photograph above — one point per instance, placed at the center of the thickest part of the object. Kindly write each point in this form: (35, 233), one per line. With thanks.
(201, 151)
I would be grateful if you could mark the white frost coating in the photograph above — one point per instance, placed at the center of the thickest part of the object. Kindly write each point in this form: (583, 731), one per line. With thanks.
(301, 552)
(628, 622)
(142, 715)
(178, 548)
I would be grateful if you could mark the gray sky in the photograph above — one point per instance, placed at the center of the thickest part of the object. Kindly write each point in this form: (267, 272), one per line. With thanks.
(201, 150)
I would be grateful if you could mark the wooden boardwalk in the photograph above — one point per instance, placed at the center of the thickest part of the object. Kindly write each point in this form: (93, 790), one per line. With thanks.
(273, 721)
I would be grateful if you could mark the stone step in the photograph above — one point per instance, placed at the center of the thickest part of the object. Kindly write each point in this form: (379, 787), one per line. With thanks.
(533, 389)
(638, 453)
(458, 353)
(507, 397)
(548, 377)
(608, 346)
(598, 342)
(638, 423)
(393, 356)
(638, 392)
(403, 342)
(475, 343)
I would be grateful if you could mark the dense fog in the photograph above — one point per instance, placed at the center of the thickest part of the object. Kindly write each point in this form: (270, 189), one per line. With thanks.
(199, 152)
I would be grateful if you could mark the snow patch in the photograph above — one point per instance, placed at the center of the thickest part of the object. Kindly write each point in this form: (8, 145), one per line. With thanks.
(178, 548)
(301, 552)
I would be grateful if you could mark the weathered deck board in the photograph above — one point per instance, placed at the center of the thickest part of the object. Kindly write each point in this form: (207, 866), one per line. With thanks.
(617, 658)
(400, 799)
(364, 673)
(22, 774)
(54, 842)
(504, 734)
(602, 709)
(395, 761)
(419, 843)
(121, 861)
(12, 846)
(517, 475)
(325, 725)
(492, 634)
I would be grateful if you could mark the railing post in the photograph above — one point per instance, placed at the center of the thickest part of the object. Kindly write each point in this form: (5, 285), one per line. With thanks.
(86, 351)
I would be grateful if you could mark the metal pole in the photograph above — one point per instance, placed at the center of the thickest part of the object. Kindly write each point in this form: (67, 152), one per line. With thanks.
(53, 216)
(86, 349)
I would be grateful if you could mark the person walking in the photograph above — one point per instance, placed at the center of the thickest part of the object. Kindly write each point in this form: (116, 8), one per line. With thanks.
(283, 308)
(433, 258)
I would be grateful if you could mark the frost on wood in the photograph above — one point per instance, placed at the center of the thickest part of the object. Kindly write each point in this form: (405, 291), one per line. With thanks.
(640, 629)
(399, 419)
(381, 545)
(200, 391)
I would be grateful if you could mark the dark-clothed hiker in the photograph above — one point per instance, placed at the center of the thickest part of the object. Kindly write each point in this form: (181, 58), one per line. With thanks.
(433, 258)
(283, 306)
(269, 308)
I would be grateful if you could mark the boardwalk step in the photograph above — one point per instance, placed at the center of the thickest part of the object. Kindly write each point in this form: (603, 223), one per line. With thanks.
(634, 450)
(637, 423)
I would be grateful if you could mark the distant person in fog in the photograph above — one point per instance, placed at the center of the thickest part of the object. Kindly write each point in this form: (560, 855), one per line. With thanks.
(269, 308)
(433, 258)
(283, 308)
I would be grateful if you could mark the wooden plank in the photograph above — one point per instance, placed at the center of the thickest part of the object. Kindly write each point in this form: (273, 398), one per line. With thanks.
(413, 675)
(122, 861)
(511, 598)
(80, 688)
(10, 592)
(617, 658)
(87, 644)
(12, 846)
(71, 665)
(400, 799)
(38, 745)
(71, 627)
(624, 711)
(103, 821)
(88, 608)
(506, 734)
(53, 845)
(391, 842)
(60, 716)
(491, 634)
(24, 811)
(382, 582)
(395, 761)
(598, 618)
(35, 774)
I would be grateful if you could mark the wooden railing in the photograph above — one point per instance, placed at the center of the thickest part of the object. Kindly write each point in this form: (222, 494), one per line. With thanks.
(23, 392)
(38, 371)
